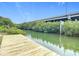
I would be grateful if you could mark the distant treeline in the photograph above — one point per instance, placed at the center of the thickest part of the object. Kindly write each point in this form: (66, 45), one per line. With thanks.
(70, 28)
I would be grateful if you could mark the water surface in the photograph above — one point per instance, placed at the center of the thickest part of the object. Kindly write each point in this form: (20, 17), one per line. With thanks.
(62, 45)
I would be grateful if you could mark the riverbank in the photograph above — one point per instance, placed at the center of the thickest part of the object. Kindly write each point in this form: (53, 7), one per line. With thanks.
(68, 28)
(19, 45)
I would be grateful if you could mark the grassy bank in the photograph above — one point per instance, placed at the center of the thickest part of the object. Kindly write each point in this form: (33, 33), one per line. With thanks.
(8, 27)
(11, 30)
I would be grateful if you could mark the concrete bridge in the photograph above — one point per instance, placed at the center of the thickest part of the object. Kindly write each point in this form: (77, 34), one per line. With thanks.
(72, 16)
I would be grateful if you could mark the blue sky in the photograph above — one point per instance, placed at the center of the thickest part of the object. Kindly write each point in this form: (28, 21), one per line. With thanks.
(20, 12)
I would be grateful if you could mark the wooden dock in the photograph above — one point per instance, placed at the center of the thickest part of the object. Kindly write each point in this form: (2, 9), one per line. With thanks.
(19, 45)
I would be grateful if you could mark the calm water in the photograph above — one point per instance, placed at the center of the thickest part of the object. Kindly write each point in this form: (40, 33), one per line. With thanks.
(62, 45)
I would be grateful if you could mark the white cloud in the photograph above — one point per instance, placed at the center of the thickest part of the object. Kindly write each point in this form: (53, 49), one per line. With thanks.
(61, 3)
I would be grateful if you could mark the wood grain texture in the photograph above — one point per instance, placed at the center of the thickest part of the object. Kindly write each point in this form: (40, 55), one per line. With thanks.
(19, 45)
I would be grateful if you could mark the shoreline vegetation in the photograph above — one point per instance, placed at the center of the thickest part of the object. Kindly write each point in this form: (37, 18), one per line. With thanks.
(8, 27)
(70, 28)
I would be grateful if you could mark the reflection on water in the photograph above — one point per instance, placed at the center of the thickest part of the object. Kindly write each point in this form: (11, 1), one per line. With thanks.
(62, 45)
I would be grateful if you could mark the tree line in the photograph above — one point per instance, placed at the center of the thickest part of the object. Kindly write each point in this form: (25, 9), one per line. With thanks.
(70, 28)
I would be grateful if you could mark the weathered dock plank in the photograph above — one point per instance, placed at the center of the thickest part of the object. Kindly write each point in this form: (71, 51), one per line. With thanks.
(19, 45)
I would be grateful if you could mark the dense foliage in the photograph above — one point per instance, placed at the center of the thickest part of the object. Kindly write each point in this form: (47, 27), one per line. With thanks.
(41, 26)
(7, 26)
(14, 30)
(70, 28)
(6, 22)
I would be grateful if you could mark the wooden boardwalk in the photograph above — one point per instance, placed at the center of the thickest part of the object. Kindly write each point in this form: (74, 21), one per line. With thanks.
(19, 45)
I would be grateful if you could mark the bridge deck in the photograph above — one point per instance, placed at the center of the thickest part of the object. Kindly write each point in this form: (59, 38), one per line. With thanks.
(19, 45)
